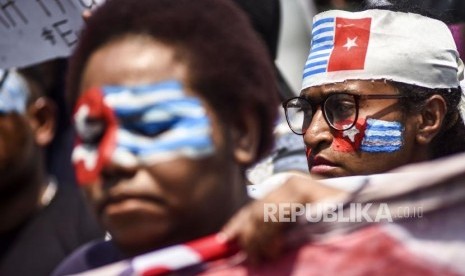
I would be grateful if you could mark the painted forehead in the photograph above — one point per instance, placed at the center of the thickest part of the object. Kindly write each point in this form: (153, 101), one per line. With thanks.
(14, 92)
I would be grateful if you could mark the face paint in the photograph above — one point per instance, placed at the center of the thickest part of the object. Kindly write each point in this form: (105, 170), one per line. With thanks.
(349, 140)
(141, 125)
(369, 135)
(308, 152)
(382, 136)
(14, 92)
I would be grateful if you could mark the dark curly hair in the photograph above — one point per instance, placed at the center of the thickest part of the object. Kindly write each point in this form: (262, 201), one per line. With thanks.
(451, 137)
(228, 64)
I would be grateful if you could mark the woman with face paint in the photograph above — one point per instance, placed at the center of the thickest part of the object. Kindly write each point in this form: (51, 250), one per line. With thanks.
(173, 99)
(380, 90)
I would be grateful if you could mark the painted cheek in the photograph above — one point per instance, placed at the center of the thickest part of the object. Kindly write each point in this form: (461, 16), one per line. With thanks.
(89, 158)
(382, 136)
(350, 140)
(308, 152)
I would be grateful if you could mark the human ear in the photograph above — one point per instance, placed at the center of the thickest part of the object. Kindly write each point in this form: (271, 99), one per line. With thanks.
(41, 114)
(246, 138)
(431, 119)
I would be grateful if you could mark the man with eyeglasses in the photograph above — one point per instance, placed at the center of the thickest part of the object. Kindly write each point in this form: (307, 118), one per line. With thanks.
(368, 106)
(380, 90)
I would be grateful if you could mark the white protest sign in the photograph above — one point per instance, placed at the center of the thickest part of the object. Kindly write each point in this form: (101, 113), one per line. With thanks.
(32, 31)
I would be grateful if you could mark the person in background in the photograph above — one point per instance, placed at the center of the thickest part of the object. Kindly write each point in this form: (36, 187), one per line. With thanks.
(349, 5)
(42, 220)
(288, 153)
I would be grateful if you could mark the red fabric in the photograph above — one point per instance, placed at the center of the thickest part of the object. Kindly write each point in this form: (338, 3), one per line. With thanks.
(369, 251)
(211, 247)
(350, 44)
(158, 270)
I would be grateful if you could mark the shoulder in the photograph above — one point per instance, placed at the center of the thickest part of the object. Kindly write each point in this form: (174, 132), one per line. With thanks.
(89, 256)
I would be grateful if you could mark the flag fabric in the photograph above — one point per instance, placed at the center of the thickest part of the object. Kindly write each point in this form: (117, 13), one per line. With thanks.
(333, 40)
(181, 256)
(138, 125)
(430, 243)
(171, 259)
(351, 39)
(381, 44)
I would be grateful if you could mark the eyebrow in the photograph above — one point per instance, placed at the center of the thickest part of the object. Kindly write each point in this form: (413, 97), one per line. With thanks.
(331, 91)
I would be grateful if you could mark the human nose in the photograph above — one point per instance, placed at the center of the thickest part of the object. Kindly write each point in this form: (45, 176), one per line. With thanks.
(318, 134)
(120, 167)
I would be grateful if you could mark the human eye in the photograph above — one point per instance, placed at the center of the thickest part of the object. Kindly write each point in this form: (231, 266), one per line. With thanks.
(340, 107)
(90, 130)
(344, 108)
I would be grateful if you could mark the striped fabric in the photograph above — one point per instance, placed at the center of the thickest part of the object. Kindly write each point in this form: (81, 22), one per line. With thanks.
(322, 45)
(381, 44)
(430, 244)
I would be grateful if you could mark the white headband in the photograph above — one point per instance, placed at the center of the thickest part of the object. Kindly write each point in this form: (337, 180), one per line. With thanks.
(380, 44)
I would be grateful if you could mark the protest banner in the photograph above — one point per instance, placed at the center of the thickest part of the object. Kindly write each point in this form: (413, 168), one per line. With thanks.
(33, 31)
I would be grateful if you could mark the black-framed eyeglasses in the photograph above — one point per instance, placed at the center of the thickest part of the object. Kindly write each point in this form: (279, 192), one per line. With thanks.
(340, 110)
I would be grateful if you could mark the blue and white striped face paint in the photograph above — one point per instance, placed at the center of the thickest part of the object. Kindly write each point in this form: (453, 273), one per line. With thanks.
(14, 92)
(142, 125)
(382, 136)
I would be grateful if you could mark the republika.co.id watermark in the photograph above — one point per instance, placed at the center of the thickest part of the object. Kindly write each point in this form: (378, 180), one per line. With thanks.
(338, 212)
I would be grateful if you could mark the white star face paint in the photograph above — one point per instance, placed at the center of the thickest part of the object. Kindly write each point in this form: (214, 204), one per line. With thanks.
(14, 92)
(351, 133)
(370, 135)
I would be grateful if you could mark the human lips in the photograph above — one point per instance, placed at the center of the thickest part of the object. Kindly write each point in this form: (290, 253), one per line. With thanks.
(321, 166)
(123, 204)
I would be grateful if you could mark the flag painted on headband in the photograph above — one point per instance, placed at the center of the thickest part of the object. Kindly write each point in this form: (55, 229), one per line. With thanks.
(338, 44)
(139, 125)
(382, 136)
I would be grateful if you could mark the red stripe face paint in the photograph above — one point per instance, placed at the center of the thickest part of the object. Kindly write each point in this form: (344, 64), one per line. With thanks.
(308, 152)
(349, 140)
